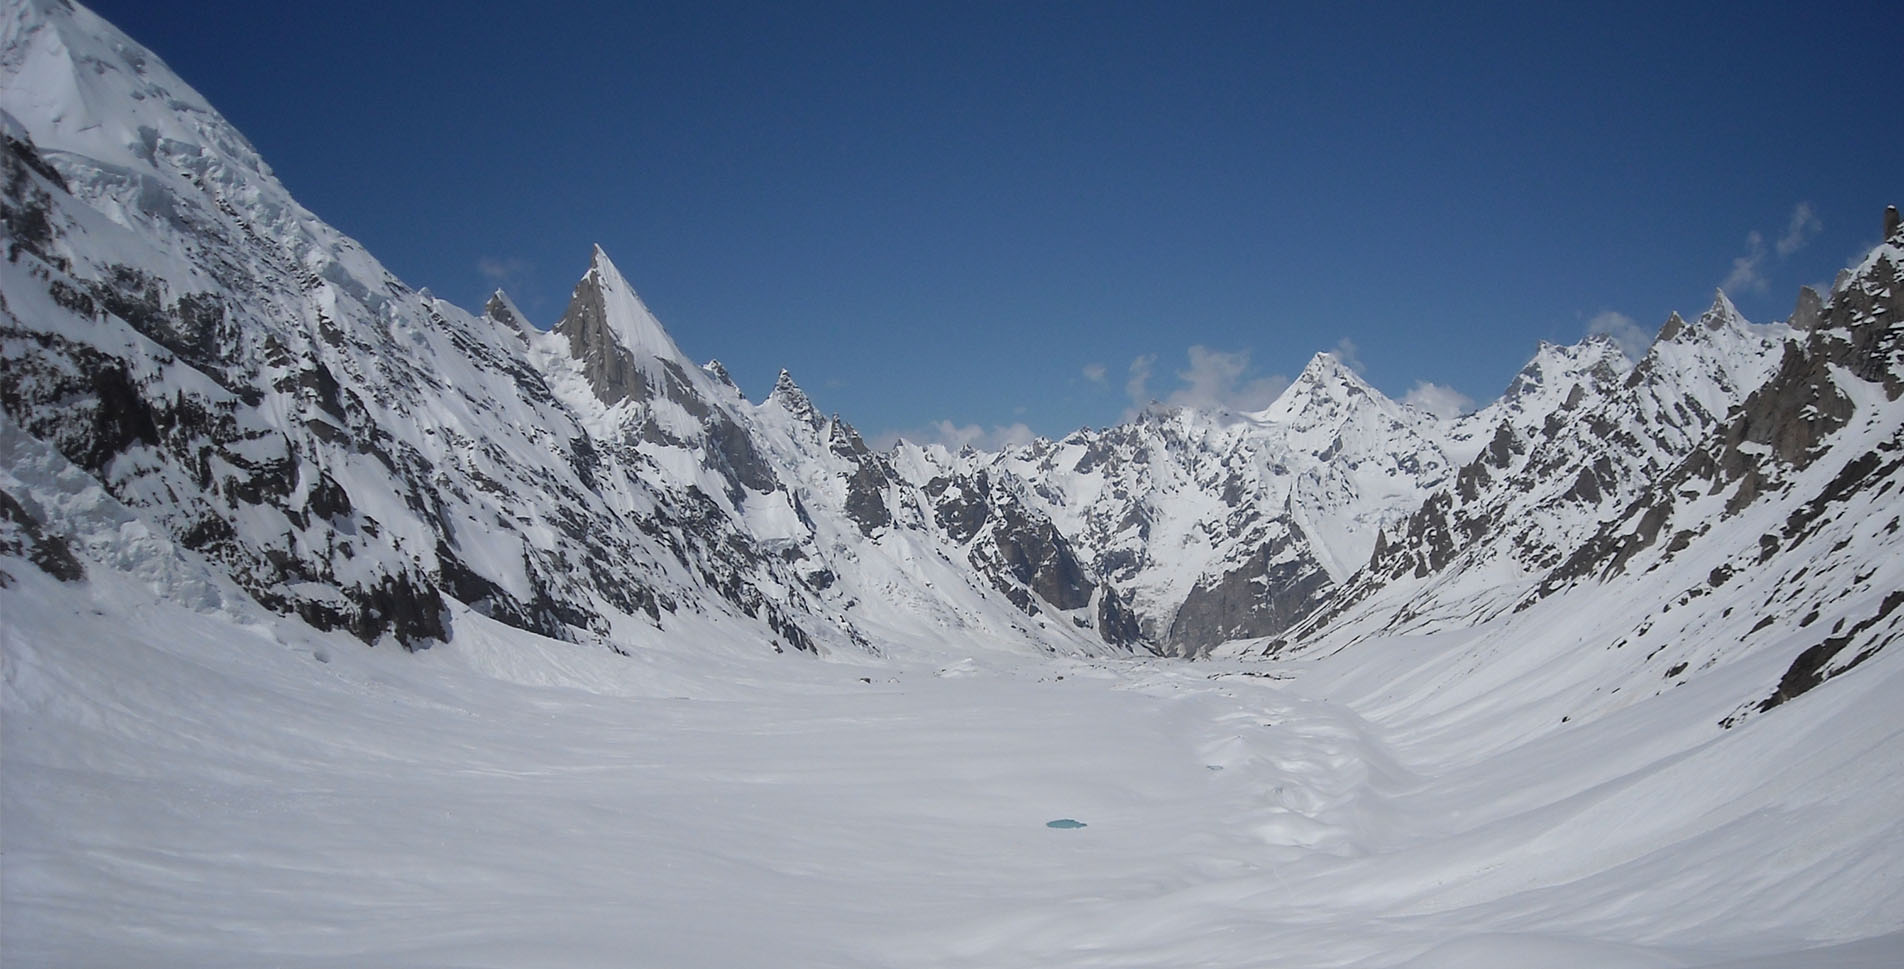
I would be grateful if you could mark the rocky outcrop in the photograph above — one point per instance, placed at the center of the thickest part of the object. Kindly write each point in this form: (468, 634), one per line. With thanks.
(1267, 594)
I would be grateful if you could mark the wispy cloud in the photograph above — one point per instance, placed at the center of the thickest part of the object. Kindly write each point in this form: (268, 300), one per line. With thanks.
(1346, 351)
(1095, 372)
(1215, 382)
(1137, 381)
(956, 436)
(1438, 400)
(1629, 336)
(1746, 273)
(1749, 270)
(1804, 225)
(501, 270)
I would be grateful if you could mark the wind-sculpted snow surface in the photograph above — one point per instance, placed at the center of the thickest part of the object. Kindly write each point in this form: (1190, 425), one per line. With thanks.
(1599, 675)
(227, 793)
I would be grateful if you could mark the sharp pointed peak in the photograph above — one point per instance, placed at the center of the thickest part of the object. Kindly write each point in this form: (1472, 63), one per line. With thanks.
(1720, 315)
(599, 257)
(503, 310)
(1670, 330)
(1325, 361)
(793, 400)
(617, 339)
(605, 293)
(1327, 368)
(1721, 311)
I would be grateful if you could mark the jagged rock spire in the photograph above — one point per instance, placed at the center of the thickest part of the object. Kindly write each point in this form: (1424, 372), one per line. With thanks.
(1721, 312)
(503, 311)
(1810, 309)
(612, 332)
(788, 395)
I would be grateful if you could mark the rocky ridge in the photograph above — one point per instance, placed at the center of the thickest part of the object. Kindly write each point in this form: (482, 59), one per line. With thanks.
(207, 385)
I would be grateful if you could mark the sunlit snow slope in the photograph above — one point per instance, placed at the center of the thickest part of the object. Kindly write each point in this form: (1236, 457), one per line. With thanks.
(191, 790)
(340, 626)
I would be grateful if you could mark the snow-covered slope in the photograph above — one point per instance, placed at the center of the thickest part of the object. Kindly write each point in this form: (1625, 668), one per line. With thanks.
(1736, 501)
(263, 398)
(256, 792)
(1218, 527)
(1601, 674)
(255, 387)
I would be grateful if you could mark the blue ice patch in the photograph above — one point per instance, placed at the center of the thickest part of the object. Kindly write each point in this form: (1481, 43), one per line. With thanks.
(1065, 823)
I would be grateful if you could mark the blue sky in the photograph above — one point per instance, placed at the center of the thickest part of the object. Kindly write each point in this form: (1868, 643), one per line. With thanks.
(952, 220)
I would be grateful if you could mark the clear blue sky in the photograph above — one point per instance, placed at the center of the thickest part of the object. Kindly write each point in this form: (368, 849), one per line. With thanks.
(966, 212)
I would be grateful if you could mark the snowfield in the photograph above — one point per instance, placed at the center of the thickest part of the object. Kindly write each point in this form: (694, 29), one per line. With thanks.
(1595, 677)
(184, 789)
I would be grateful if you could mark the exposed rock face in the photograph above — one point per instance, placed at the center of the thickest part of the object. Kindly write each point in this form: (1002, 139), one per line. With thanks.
(1810, 306)
(1268, 593)
(252, 386)
(866, 496)
(609, 366)
(1021, 553)
(789, 396)
(1786, 498)
(23, 535)
(259, 399)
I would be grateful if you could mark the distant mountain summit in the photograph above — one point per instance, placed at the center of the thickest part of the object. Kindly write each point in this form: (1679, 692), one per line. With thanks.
(209, 388)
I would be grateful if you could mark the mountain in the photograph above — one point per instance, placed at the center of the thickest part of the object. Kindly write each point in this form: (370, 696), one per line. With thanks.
(1733, 501)
(209, 387)
(1216, 527)
(276, 409)
(1600, 674)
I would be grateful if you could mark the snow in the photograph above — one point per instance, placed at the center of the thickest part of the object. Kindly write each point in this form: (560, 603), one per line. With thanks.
(212, 790)
(1524, 780)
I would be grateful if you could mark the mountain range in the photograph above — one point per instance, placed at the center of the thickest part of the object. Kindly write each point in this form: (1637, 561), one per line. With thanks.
(281, 534)
(205, 381)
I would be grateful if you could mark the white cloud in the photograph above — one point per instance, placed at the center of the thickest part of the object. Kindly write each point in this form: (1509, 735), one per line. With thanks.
(1215, 382)
(1745, 274)
(1095, 372)
(1748, 270)
(1799, 232)
(1438, 400)
(1137, 384)
(1350, 357)
(1629, 336)
(956, 436)
(501, 270)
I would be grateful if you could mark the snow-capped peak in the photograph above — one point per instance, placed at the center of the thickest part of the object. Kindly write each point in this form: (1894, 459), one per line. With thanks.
(503, 310)
(793, 400)
(1557, 369)
(1721, 312)
(1327, 367)
(718, 370)
(624, 351)
(78, 84)
(634, 326)
(1321, 393)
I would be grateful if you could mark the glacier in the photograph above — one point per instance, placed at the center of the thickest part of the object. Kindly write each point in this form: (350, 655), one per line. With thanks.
(342, 626)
